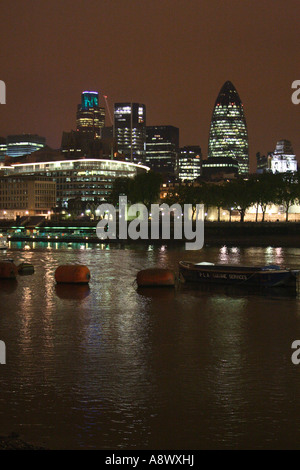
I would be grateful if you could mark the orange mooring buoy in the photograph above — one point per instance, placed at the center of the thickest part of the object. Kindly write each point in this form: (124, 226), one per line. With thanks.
(8, 270)
(72, 274)
(155, 277)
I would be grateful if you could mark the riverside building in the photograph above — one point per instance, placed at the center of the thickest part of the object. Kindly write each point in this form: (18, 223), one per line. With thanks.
(87, 179)
(26, 196)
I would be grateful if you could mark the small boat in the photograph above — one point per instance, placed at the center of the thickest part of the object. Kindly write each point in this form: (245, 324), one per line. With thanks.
(3, 242)
(263, 276)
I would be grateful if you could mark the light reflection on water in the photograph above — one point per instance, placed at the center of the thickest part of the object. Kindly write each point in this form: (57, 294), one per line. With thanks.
(116, 367)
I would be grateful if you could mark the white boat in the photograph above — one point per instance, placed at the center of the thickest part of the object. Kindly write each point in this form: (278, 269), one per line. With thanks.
(3, 242)
(266, 276)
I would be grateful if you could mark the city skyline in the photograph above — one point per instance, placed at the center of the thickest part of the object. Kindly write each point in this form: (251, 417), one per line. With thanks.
(173, 60)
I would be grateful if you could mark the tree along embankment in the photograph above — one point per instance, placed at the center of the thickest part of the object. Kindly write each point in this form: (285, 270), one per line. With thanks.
(252, 233)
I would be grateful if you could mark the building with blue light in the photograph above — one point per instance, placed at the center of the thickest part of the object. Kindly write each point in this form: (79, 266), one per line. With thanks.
(24, 144)
(3, 149)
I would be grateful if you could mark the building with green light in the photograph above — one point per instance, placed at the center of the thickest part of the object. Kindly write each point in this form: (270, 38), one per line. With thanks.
(90, 116)
(228, 137)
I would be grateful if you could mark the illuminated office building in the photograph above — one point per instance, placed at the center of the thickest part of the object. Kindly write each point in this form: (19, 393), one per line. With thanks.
(162, 147)
(283, 159)
(130, 130)
(26, 195)
(189, 163)
(90, 116)
(18, 145)
(220, 168)
(87, 179)
(228, 137)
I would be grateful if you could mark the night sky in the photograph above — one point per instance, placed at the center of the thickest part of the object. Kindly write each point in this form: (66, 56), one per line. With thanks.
(171, 55)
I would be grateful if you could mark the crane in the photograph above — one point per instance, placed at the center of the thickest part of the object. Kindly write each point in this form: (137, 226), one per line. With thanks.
(109, 113)
(111, 121)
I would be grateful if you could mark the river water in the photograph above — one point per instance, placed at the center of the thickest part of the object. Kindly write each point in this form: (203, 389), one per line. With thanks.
(112, 367)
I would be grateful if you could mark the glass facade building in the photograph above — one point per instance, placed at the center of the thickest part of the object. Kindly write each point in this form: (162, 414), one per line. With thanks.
(162, 147)
(18, 145)
(189, 163)
(90, 116)
(228, 137)
(130, 130)
(86, 179)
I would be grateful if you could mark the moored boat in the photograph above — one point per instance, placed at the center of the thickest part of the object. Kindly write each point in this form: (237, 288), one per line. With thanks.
(264, 276)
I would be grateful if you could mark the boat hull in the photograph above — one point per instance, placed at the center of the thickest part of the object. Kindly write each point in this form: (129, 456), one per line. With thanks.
(235, 276)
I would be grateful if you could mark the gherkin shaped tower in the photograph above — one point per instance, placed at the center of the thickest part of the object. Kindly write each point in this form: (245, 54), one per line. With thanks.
(228, 135)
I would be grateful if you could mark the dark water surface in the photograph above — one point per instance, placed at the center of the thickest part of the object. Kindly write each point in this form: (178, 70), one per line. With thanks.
(110, 367)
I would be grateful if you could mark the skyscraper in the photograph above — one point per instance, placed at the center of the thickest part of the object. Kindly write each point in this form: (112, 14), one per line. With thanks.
(228, 137)
(190, 163)
(130, 130)
(90, 116)
(162, 148)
